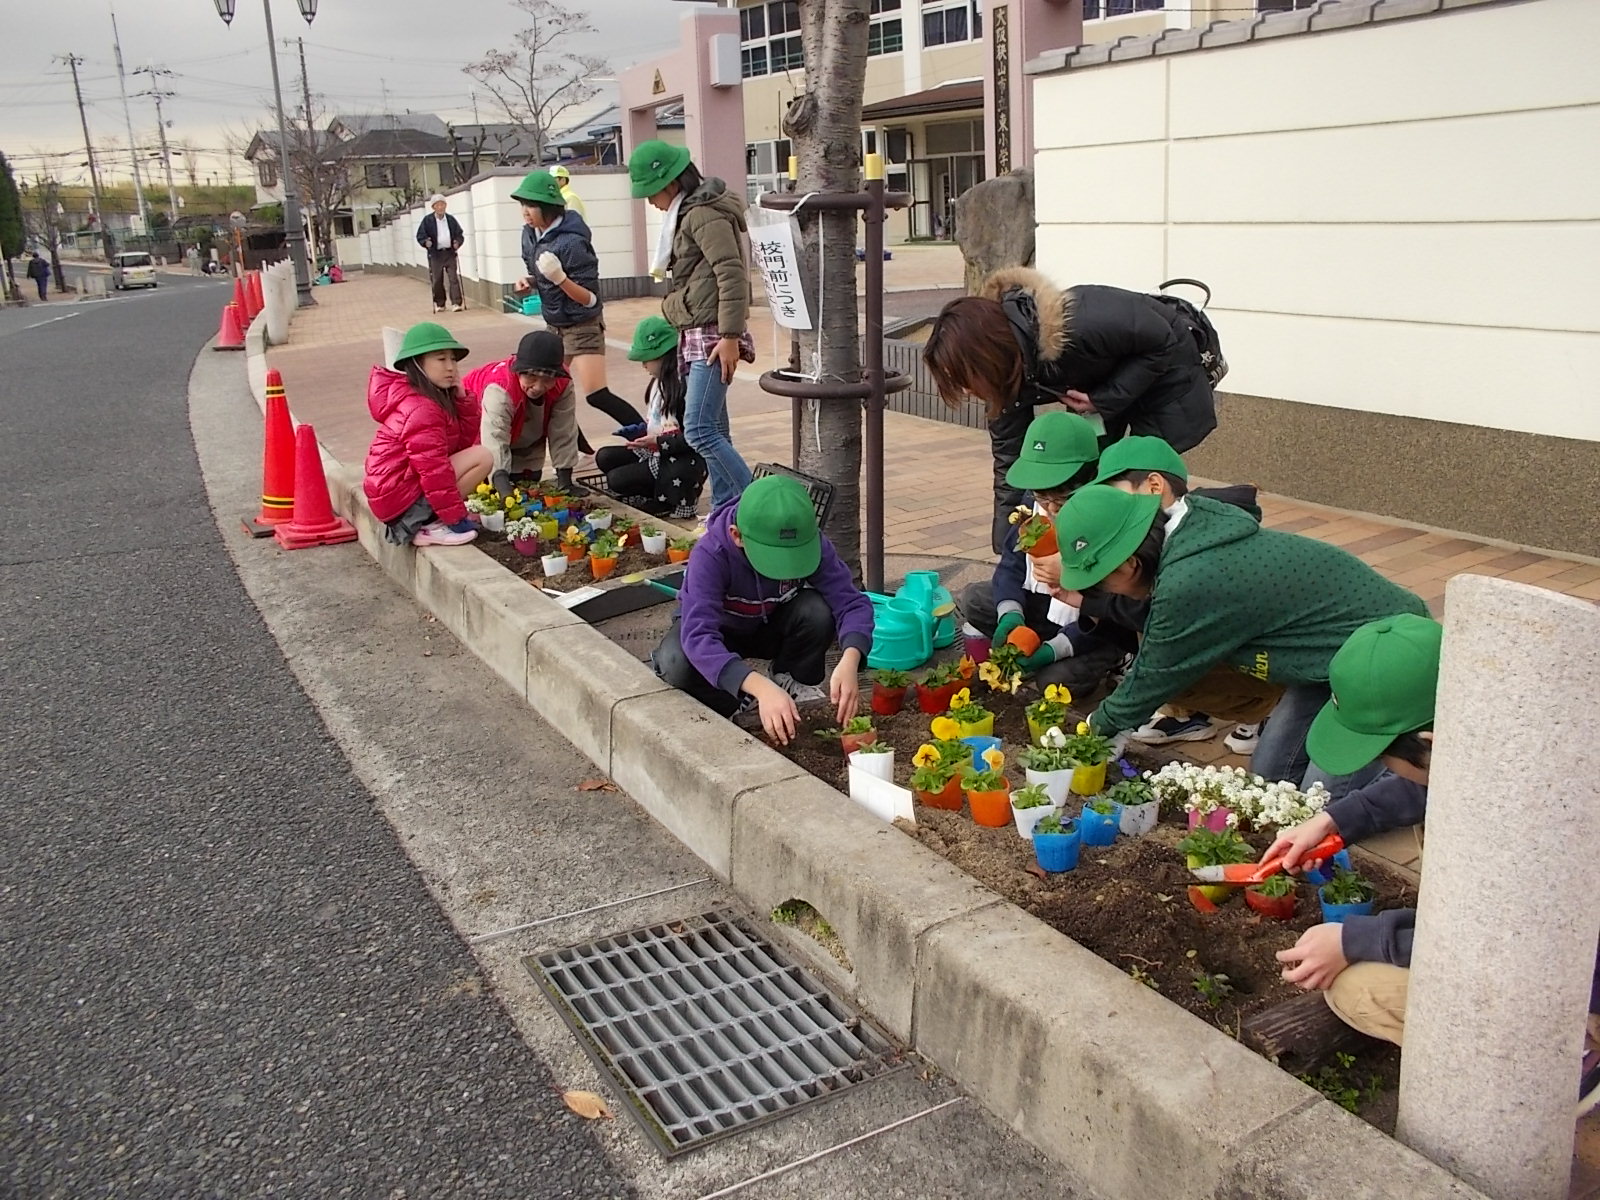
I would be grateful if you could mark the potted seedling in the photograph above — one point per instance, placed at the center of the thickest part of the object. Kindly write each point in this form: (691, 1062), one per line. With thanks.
(1048, 766)
(1002, 671)
(857, 732)
(574, 543)
(1211, 848)
(653, 540)
(1089, 753)
(988, 791)
(1324, 872)
(1346, 895)
(486, 505)
(1029, 806)
(524, 535)
(1047, 712)
(1056, 842)
(936, 686)
(1099, 820)
(603, 554)
(973, 719)
(554, 497)
(1036, 533)
(1026, 641)
(975, 643)
(626, 529)
(549, 529)
(875, 758)
(1140, 808)
(889, 691)
(554, 564)
(678, 549)
(1273, 897)
(936, 774)
(599, 518)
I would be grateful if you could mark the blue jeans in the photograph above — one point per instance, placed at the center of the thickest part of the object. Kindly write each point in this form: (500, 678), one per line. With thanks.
(705, 427)
(1281, 752)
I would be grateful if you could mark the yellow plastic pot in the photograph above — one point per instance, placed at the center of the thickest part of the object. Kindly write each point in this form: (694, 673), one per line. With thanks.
(1214, 892)
(983, 728)
(1088, 781)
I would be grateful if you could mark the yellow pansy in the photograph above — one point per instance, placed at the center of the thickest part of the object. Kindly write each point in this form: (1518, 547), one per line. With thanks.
(990, 674)
(961, 699)
(925, 756)
(1058, 694)
(1016, 681)
(484, 489)
(944, 728)
(994, 758)
(1083, 727)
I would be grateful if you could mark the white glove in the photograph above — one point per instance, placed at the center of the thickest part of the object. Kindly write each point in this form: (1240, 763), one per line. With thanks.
(550, 267)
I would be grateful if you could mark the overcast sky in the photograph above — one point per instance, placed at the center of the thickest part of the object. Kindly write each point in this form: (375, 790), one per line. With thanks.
(357, 52)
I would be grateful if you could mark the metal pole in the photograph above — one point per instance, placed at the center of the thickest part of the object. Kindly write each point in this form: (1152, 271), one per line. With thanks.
(94, 172)
(294, 230)
(311, 142)
(166, 157)
(127, 114)
(873, 362)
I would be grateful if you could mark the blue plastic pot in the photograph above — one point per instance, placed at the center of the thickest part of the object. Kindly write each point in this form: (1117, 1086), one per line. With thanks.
(1099, 829)
(1338, 912)
(1324, 873)
(979, 745)
(1057, 852)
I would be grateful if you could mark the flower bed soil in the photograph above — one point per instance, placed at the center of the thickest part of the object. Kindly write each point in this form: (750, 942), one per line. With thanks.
(1127, 902)
(577, 574)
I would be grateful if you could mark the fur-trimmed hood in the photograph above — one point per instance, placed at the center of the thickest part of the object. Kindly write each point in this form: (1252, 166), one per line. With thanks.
(1052, 305)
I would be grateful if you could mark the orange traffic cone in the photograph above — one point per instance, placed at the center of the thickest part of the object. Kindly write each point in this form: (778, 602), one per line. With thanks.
(241, 301)
(277, 463)
(314, 522)
(253, 293)
(231, 335)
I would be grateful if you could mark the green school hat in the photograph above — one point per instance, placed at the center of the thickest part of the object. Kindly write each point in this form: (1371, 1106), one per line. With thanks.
(539, 187)
(1140, 454)
(1384, 679)
(1098, 530)
(778, 527)
(653, 338)
(1056, 447)
(653, 165)
(425, 338)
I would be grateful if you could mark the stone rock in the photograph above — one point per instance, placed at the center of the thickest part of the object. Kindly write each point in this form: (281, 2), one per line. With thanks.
(995, 225)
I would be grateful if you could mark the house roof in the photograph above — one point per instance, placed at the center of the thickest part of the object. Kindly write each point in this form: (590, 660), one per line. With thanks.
(390, 144)
(1330, 14)
(359, 123)
(951, 97)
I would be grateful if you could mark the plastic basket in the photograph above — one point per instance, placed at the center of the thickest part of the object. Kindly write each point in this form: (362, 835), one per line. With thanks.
(820, 490)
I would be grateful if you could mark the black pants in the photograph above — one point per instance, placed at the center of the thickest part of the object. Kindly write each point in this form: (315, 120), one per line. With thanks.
(1093, 660)
(43, 284)
(444, 265)
(796, 639)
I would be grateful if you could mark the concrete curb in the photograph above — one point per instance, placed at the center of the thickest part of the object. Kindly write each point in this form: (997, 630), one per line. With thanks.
(1136, 1096)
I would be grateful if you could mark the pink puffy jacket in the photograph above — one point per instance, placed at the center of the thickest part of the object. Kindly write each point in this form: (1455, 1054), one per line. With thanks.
(410, 453)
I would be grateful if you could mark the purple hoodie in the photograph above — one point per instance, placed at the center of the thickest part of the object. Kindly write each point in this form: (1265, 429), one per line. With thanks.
(722, 591)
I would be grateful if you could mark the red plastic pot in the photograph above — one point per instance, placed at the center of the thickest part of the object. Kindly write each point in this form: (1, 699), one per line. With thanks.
(854, 741)
(936, 701)
(1279, 908)
(887, 701)
(950, 798)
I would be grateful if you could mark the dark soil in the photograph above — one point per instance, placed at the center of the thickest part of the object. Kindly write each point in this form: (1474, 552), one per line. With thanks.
(1127, 902)
(577, 575)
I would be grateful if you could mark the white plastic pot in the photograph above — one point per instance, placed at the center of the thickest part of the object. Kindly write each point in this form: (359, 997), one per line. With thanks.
(1027, 818)
(554, 564)
(600, 520)
(879, 765)
(1139, 819)
(654, 543)
(494, 522)
(1055, 783)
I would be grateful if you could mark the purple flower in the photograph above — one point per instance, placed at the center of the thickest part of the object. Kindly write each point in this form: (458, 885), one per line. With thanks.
(1127, 768)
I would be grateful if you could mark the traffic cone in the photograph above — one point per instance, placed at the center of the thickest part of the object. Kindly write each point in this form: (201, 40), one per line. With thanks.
(241, 301)
(314, 522)
(277, 463)
(231, 335)
(253, 293)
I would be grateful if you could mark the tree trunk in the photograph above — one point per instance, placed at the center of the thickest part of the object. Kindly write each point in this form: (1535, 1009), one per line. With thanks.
(825, 123)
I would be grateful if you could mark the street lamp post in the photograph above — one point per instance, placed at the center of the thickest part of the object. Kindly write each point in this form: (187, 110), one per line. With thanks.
(294, 228)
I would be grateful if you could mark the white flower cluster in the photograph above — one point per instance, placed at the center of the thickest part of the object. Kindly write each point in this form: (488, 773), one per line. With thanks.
(1247, 797)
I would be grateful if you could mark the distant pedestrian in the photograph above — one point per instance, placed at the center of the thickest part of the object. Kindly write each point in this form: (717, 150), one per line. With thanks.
(440, 235)
(39, 272)
(573, 201)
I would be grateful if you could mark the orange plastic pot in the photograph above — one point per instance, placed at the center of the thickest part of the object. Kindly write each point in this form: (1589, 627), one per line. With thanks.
(949, 798)
(1045, 546)
(601, 567)
(675, 555)
(991, 808)
(1279, 908)
(575, 553)
(1024, 639)
(854, 741)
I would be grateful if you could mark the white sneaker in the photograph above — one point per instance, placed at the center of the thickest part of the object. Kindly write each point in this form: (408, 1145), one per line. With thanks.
(801, 693)
(1162, 731)
(438, 534)
(1244, 739)
(458, 308)
(438, 308)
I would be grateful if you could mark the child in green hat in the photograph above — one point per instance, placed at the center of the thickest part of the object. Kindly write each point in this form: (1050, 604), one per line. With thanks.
(765, 583)
(657, 471)
(422, 463)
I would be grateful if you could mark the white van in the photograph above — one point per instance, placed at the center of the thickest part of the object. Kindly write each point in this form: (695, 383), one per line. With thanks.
(132, 268)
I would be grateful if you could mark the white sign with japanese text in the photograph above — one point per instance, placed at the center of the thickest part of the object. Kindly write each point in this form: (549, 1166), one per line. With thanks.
(772, 246)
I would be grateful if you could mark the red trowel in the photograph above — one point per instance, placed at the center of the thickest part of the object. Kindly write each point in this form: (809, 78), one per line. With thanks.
(1257, 872)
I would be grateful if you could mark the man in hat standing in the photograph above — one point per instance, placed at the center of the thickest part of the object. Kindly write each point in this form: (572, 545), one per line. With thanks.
(440, 235)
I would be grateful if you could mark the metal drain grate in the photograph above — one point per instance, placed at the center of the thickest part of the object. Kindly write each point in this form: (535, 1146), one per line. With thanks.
(707, 1028)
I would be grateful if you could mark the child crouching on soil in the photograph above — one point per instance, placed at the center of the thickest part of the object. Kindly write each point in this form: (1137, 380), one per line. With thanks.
(422, 462)
(657, 471)
(764, 582)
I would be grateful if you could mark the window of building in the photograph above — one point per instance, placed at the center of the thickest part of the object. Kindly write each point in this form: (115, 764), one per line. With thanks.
(766, 166)
(770, 38)
(267, 173)
(945, 22)
(886, 34)
(388, 175)
(1093, 10)
(1272, 6)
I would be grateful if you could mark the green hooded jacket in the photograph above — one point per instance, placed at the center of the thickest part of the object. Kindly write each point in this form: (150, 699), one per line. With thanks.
(1272, 605)
(710, 279)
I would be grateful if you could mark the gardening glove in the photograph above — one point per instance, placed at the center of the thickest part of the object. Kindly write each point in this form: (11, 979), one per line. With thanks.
(550, 267)
(502, 482)
(1042, 657)
(1008, 622)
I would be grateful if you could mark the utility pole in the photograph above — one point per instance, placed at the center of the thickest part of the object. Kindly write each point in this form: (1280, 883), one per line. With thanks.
(72, 60)
(127, 114)
(311, 149)
(161, 132)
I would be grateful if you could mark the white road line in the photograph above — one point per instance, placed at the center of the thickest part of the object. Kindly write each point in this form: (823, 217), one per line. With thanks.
(49, 321)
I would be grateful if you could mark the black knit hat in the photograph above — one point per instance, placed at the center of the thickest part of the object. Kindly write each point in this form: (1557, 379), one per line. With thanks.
(539, 351)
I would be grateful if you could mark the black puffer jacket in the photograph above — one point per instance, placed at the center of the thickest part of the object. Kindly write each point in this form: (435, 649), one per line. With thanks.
(1124, 350)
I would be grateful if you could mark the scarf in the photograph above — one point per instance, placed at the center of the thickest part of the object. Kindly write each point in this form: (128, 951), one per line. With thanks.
(669, 229)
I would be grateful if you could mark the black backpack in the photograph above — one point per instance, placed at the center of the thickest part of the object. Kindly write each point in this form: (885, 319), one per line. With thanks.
(1199, 326)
